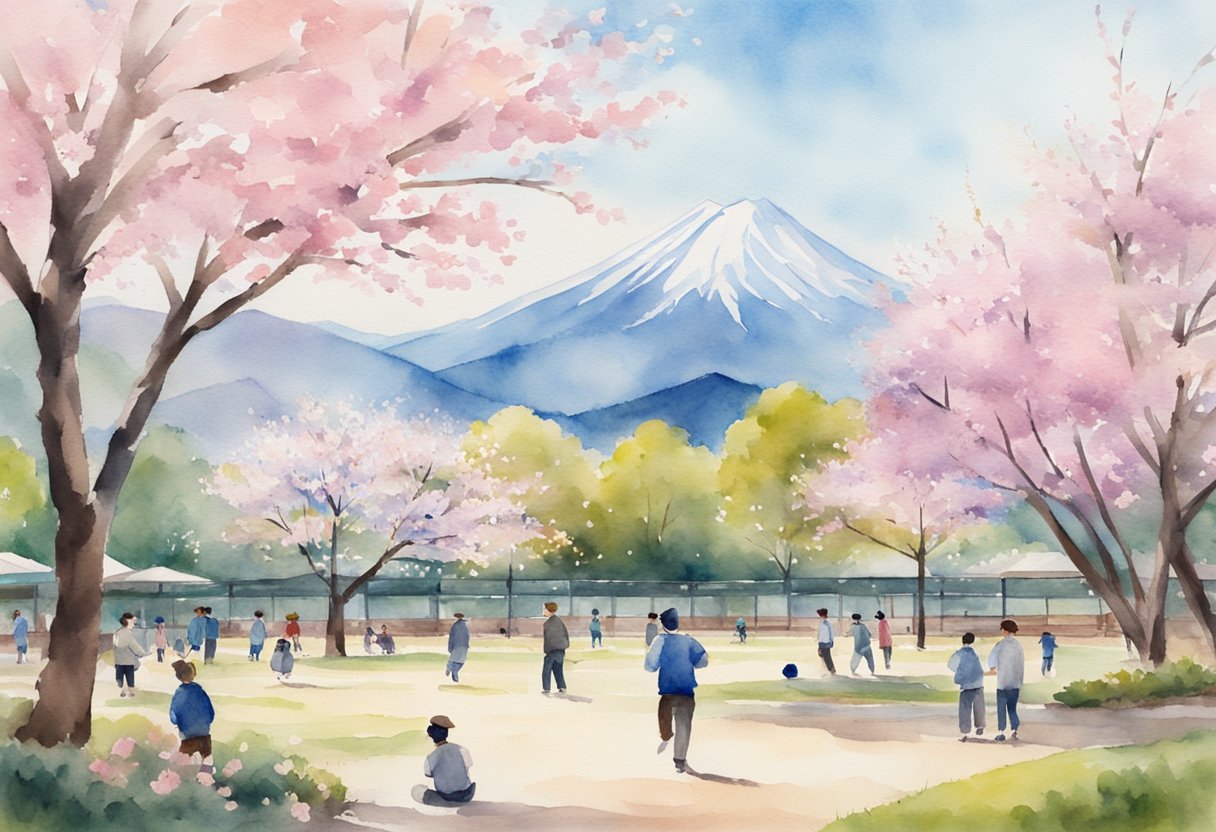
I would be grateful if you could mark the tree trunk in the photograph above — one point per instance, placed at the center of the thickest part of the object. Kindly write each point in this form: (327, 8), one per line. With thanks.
(920, 600)
(787, 586)
(1196, 596)
(335, 627)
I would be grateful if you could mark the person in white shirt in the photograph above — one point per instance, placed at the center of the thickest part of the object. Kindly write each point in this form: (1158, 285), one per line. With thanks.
(827, 640)
(448, 764)
(1008, 663)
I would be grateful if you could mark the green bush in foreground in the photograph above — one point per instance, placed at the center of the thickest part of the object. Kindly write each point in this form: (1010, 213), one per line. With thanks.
(131, 777)
(1181, 678)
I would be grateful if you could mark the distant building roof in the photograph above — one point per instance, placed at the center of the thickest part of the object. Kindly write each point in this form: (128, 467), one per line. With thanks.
(19, 570)
(156, 575)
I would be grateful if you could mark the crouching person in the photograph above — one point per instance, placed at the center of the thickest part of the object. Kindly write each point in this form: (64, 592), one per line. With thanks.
(192, 712)
(449, 765)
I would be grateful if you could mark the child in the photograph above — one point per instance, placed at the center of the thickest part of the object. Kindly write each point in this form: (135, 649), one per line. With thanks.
(741, 629)
(884, 637)
(281, 660)
(257, 637)
(1049, 651)
(597, 630)
(861, 646)
(192, 712)
(21, 636)
(969, 676)
(369, 642)
(827, 640)
(162, 639)
(652, 627)
(386, 641)
(292, 631)
(448, 764)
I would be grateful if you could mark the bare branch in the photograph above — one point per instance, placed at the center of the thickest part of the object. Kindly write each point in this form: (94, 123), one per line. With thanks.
(16, 275)
(1195, 505)
(1104, 513)
(1034, 429)
(1133, 436)
(930, 399)
(536, 185)
(410, 29)
(881, 543)
(226, 309)
(228, 80)
(447, 132)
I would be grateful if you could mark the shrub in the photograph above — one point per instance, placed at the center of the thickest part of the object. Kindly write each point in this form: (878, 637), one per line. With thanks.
(1181, 678)
(131, 776)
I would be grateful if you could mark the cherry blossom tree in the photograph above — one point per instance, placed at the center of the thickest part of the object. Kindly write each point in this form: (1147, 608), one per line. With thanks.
(334, 471)
(903, 496)
(221, 147)
(1068, 356)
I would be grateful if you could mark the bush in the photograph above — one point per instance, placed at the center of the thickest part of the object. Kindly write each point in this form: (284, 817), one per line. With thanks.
(131, 776)
(1181, 678)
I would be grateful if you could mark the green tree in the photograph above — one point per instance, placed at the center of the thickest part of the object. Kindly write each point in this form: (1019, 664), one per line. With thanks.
(787, 433)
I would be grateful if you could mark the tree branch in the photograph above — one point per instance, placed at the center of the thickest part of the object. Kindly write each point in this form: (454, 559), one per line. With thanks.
(1133, 436)
(881, 543)
(226, 309)
(1195, 505)
(536, 185)
(19, 93)
(1107, 519)
(16, 275)
(449, 131)
(1034, 429)
(371, 572)
(166, 279)
(410, 29)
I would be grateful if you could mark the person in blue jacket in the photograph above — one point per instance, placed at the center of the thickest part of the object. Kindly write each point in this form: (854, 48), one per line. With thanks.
(192, 712)
(196, 631)
(21, 636)
(1048, 641)
(969, 676)
(676, 657)
(257, 636)
(212, 636)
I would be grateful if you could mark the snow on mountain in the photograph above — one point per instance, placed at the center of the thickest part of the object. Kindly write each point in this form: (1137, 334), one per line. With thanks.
(742, 290)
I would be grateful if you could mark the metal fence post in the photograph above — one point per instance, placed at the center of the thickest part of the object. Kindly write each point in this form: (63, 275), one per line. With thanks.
(1004, 599)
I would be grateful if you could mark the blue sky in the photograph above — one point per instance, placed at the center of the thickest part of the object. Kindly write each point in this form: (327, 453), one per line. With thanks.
(863, 119)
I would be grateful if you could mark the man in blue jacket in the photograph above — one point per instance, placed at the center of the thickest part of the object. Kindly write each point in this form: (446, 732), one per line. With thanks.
(212, 636)
(675, 656)
(969, 676)
(196, 631)
(192, 712)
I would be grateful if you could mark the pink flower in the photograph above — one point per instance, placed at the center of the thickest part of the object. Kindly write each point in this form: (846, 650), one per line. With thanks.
(230, 805)
(224, 791)
(233, 767)
(102, 769)
(300, 811)
(168, 781)
(123, 748)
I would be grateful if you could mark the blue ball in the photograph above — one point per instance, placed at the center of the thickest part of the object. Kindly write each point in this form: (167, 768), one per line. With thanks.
(790, 671)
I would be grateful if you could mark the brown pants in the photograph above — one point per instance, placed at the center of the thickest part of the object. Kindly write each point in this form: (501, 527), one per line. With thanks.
(200, 744)
(678, 708)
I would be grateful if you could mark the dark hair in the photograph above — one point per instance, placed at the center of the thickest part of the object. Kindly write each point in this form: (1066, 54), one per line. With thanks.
(1009, 625)
(125, 617)
(258, 613)
(856, 616)
(207, 610)
(1046, 633)
(823, 611)
(652, 615)
(184, 670)
(968, 638)
(437, 733)
(595, 612)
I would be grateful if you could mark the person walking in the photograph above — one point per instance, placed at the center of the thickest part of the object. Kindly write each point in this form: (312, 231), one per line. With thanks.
(257, 636)
(191, 711)
(969, 676)
(1008, 663)
(861, 645)
(556, 641)
(741, 629)
(597, 629)
(448, 764)
(1048, 642)
(160, 639)
(387, 645)
(884, 638)
(827, 640)
(292, 631)
(652, 627)
(212, 636)
(21, 636)
(196, 631)
(458, 647)
(676, 657)
(127, 653)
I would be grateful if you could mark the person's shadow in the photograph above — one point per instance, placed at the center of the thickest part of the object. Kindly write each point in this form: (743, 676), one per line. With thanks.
(719, 778)
(572, 697)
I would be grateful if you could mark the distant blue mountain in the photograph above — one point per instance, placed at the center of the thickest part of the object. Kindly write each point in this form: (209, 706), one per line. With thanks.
(705, 407)
(744, 291)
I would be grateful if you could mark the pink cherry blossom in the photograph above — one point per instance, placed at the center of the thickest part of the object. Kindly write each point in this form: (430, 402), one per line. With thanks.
(166, 782)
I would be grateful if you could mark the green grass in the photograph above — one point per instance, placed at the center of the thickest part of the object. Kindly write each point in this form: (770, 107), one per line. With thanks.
(409, 743)
(1112, 789)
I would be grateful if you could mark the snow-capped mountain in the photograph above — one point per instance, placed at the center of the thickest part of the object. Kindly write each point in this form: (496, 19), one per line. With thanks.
(742, 290)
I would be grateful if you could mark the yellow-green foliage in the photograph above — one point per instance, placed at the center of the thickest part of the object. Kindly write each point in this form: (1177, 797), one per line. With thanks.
(1099, 789)
(1181, 678)
(20, 490)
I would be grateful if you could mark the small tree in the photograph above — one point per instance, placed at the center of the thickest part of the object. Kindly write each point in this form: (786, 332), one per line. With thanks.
(897, 495)
(336, 471)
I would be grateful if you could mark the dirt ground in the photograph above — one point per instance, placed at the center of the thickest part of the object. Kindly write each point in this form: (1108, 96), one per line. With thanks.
(587, 760)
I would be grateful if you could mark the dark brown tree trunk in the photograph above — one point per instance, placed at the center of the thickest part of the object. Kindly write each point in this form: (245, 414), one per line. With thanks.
(335, 627)
(920, 600)
(1196, 596)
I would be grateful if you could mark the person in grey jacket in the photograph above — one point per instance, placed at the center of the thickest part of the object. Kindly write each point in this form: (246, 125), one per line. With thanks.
(861, 645)
(127, 653)
(557, 639)
(652, 627)
(969, 676)
(458, 647)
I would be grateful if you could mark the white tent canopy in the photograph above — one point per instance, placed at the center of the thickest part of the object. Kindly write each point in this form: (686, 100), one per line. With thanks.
(156, 575)
(111, 568)
(1042, 565)
(14, 564)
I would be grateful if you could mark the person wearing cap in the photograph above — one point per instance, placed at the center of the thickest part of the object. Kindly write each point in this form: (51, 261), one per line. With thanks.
(161, 639)
(676, 657)
(1008, 663)
(21, 636)
(212, 636)
(458, 647)
(292, 631)
(556, 641)
(448, 765)
(884, 637)
(192, 712)
(861, 645)
(196, 630)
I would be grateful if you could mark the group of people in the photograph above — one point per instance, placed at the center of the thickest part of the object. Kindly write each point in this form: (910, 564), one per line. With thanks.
(863, 640)
(1007, 663)
(379, 643)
